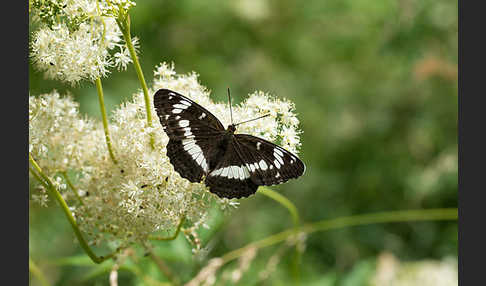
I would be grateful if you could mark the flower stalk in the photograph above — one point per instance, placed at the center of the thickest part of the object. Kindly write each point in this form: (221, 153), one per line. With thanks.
(164, 268)
(123, 22)
(348, 221)
(286, 203)
(174, 236)
(73, 188)
(37, 273)
(101, 100)
(46, 182)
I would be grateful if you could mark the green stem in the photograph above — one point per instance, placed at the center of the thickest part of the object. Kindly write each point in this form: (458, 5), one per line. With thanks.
(37, 273)
(163, 267)
(174, 236)
(72, 187)
(101, 100)
(286, 203)
(324, 225)
(123, 22)
(295, 217)
(55, 193)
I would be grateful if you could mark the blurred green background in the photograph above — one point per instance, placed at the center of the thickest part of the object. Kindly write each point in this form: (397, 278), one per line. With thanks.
(375, 86)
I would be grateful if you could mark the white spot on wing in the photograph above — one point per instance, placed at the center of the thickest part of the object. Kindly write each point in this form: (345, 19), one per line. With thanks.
(181, 106)
(230, 173)
(245, 172)
(176, 110)
(224, 173)
(277, 164)
(258, 145)
(216, 172)
(187, 132)
(199, 159)
(240, 173)
(189, 145)
(263, 165)
(184, 123)
(236, 171)
(187, 141)
(194, 150)
(202, 116)
(185, 102)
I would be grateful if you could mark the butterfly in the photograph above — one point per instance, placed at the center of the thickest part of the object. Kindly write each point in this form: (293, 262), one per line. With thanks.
(232, 165)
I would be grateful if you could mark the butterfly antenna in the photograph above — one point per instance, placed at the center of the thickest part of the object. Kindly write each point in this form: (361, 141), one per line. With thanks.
(231, 111)
(252, 119)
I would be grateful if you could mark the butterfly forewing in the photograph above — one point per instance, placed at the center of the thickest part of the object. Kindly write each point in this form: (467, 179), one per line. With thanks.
(173, 107)
(269, 164)
(192, 130)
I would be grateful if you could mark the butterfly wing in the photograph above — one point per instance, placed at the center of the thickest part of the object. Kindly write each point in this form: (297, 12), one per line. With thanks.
(193, 132)
(231, 177)
(249, 162)
(268, 164)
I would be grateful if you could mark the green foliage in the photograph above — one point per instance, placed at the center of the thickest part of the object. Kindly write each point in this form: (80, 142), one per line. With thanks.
(375, 86)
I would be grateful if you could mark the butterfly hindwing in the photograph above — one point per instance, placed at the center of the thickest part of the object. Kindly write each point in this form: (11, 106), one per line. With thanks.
(269, 164)
(231, 178)
(192, 132)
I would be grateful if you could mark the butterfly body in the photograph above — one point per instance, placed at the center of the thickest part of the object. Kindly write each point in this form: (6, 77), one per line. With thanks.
(231, 165)
(221, 147)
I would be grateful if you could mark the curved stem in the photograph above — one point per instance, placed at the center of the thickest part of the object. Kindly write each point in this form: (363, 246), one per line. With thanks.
(163, 267)
(37, 273)
(179, 226)
(286, 203)
(324, 225)
(72, 187)
(123, 22)
(55, 193)
(295, 217)
(101, 100)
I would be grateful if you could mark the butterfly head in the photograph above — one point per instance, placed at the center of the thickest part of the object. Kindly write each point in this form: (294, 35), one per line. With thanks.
(231, 128)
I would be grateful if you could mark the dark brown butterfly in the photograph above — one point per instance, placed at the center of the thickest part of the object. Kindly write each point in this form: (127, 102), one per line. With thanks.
(233, 165)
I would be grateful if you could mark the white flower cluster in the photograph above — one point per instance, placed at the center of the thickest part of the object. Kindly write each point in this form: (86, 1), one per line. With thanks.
(142, 193)
(81, 43)
(59, 139)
